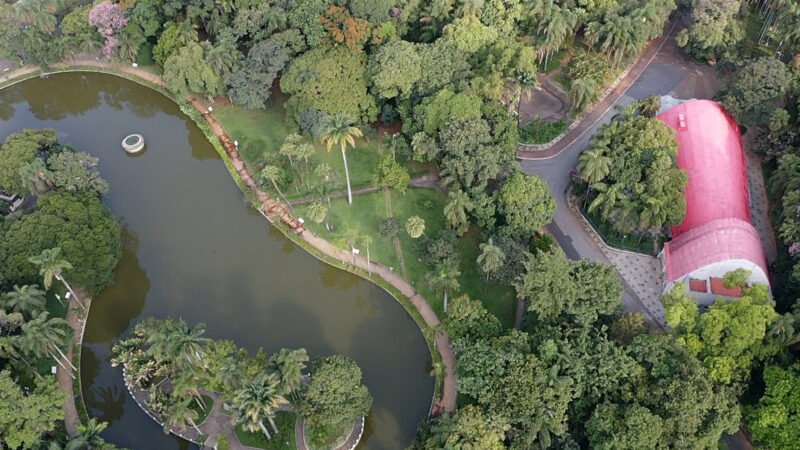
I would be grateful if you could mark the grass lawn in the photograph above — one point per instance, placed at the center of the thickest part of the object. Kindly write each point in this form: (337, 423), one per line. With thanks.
(261, 133)
(365, 217)
(202, 414)
(284, 440)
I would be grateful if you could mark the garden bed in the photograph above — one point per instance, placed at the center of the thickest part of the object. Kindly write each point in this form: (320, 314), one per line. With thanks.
(541, 132)
(284, 440)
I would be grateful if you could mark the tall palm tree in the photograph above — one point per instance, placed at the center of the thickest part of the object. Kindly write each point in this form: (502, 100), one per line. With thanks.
(787, 176)
(181, 414)
(338, 129)
(43, 336)
(607, 197)
(88, 437)
(37, 13)
(275, 19)
(188, 342)
(654, 213)
(288, 365)
(456, 210)
(491, 258)
(28, 300)
(256, 401)
(52, 266)
(556, 26)
(222, 57)
(273, 173)
(470, 8)
(415, 227)
(444, 279)
(583, 91)
(594, 165)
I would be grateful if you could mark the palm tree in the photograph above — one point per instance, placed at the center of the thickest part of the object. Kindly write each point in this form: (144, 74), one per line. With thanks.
(491, 258)
(38, 13)
(222, 57)
(37, 175)
(305, 151)
(288, 365)
(187, 341)
(185, 385)
(28, 300)
(783, 332)
(289, 149)
(556, 27)
(523, 83)
(470, 8)
(607, 197)
(323, 192)
(444, 279)
(654, 213)
(43, 336)
(318, 212)
(415, 227)
(275, 19)
(583, 91)
(594, 165)
(256, 401)
(787, 176)
(52, 265)
(187, 32)
(338, 129)
(181, 414)
(455, 211)
(272, 173)
(88, 436)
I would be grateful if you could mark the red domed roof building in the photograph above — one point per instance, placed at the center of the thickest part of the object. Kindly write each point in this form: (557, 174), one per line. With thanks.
(716, 236)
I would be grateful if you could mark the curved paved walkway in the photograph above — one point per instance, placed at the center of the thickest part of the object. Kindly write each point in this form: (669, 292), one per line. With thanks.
(588, 121)
(76, 319)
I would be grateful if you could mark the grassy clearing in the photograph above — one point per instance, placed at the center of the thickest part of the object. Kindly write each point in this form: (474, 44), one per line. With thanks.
(261, 133)
(202, 414)
(366, 214)
(284, 440)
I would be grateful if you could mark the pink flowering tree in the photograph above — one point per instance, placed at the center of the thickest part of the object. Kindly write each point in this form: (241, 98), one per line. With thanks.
(108, 18)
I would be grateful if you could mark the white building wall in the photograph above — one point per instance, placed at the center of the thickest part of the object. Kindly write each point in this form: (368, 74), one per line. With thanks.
(718, 270)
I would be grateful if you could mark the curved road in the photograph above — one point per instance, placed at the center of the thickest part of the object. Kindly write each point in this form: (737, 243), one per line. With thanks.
(663, 70)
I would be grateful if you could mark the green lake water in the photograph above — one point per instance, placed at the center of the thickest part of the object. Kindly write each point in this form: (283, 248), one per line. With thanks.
(193, 249)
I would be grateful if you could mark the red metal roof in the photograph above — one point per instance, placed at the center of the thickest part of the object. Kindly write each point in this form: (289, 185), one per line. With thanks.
(717, 224)
(720, 240)
(711, 153)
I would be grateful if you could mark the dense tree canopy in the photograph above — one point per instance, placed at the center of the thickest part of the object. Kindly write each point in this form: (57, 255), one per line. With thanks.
(332, 80)
(728, 337)
(335, 396)
(26, 416)
(643, 189)
(21, 148)
(77, 223)
(775, 421)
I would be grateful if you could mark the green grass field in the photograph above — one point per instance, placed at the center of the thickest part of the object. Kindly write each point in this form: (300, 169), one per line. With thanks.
(366, 214)
(284, 440)
(261, 133)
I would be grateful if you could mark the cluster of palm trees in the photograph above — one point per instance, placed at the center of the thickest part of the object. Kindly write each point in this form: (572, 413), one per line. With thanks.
(27, 331)
(179, 367)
